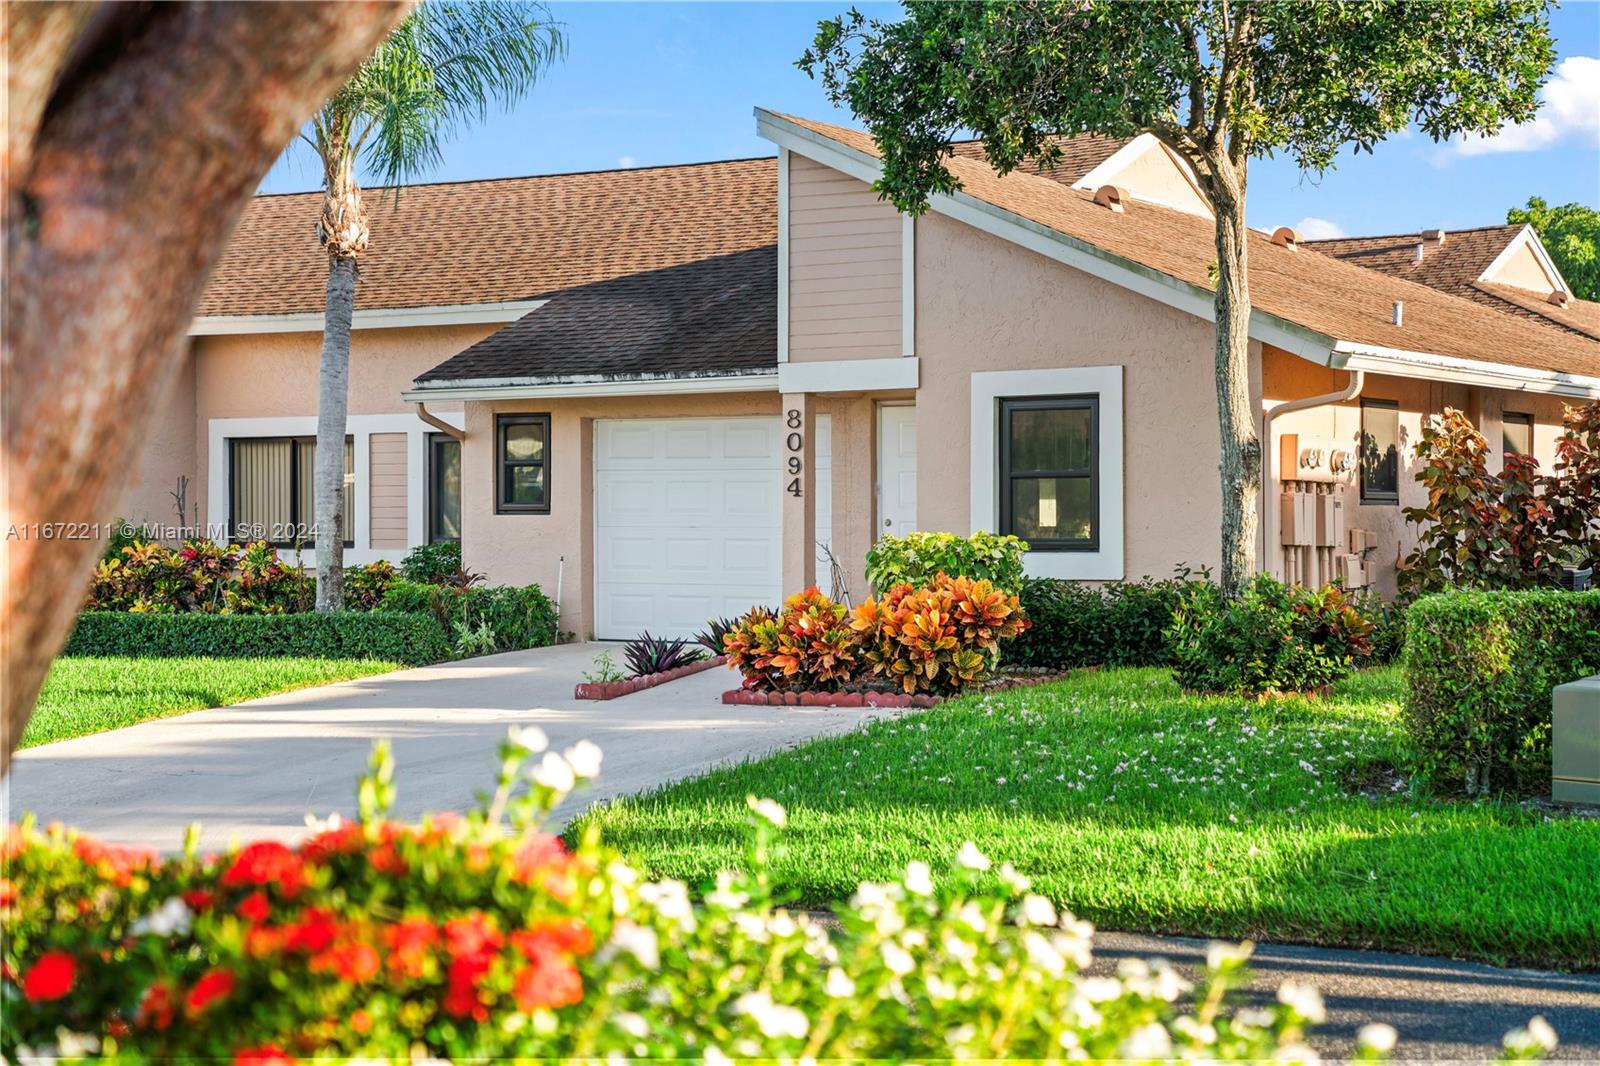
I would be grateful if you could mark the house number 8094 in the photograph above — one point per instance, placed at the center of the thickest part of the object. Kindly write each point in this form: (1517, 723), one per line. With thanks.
(795, 442)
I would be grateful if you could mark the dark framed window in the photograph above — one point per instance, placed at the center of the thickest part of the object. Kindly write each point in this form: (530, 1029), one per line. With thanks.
(1050, 471)
(522, 451)
(272, 492)
(1516, 433)
(444, 488)
(1380, 451)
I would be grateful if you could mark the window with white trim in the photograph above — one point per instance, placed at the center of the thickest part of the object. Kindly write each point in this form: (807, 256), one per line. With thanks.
(272, 490)
(1049, 471)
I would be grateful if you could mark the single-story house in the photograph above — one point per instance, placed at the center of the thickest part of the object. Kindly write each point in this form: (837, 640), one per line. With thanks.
(667, 393)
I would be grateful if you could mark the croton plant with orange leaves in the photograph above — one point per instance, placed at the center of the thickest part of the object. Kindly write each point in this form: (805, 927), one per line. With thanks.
(939, 638)
(808, 645)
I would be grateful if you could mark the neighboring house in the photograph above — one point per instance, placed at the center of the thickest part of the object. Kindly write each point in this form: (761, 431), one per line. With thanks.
(659, 390)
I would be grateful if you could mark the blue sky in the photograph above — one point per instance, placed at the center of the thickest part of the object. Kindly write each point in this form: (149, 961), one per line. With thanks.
(653, 83)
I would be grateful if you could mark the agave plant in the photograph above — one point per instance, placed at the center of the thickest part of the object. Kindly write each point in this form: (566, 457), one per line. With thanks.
(646, 654)
(711, 637)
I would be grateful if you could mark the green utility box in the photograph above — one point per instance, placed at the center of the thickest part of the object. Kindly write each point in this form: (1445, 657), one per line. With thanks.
(1575, 751)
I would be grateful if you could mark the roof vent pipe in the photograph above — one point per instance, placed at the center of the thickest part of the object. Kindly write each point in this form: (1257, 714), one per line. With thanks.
(1286, 237)
(1422, 250)
(1110, 196)
(1399, 312)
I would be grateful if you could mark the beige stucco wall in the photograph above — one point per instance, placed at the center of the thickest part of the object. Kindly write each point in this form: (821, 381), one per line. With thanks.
(844, 267)
(1288, 377)
(986, 304)
(168, 453)
(1522, 269)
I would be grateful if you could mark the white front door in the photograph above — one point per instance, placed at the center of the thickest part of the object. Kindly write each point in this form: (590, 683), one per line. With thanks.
(897, 469)
(688, 522)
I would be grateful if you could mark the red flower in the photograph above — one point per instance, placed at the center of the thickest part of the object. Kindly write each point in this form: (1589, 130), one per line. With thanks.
(386, 860)
(156, 1006)
(8, 893)
(552, 981)
(313, 933)
(355, 962)
(410, 942)
(254, 908)
(263, 940)
(570, 936)
(345, 840)
(472, 937)
(462, 998)
(198, 899)
(212, 986)
(543, 860)
(265, 1055)
(360, 1021)
(51, 977)
(267, 862)
(117, 864)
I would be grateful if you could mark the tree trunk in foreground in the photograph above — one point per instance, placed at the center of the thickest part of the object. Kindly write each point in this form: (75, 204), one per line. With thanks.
(1241, 447)
(136, 136)
(333, 401)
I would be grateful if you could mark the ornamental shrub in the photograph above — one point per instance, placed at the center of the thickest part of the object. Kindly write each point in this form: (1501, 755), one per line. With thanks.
(519, 616)
(1479, 668)
(430, 564)
(414, 639)
(480, 937)
(1118, 623)
(940, 638)
(1271, 638)
(917, 558)
(364, 586)
(806, 645)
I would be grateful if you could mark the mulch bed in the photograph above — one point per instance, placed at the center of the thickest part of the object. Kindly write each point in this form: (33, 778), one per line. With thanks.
(883, 696)
(610, 690)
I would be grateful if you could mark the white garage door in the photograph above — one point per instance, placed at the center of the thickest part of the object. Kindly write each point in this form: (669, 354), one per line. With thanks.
(687, 522)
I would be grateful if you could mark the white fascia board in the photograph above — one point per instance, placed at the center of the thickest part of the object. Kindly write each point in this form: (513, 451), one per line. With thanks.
(375, 318)
(580, 385)
(1527, 236)
(1376, 359)
(850, 375)
(1053, 244)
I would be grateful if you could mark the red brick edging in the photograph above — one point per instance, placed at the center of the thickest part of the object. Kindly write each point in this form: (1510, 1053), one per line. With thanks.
(749, 697)
(610, 690)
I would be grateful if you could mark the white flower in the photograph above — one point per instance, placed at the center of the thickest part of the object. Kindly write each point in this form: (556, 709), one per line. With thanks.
(1218, 954)
(897, 958)
(1297, 1053)
(1036, 910)
(1378, 1037)
(715, 1056)
(584, 758)
(1043, 954)
(553, 772)
(76, 1045)
(919, 879)
(957, 948)
(632, 1024)
(839, 985)
(1304, 1000)
(1100, 989)
(529, 737)
(671, 900)
(1147, 1042)
(1014, 880)
(639, 942)
(1537, 1036)
(752, 926)
(970, 857)
(773, 1019)
(724, 896)
(770, 811)
(971, 915)
(170, 919)
(324, 825)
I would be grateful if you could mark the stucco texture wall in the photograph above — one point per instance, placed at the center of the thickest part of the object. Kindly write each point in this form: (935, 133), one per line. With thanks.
(986, 304)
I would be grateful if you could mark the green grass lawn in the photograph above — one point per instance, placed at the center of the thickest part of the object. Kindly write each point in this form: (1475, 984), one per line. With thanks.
(1140, 808)
(90, 695)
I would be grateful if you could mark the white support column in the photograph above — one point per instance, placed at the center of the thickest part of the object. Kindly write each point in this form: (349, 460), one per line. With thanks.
(799, 475)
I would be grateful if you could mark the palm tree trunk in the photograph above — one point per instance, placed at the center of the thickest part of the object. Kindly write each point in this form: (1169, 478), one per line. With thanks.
(1241, 448)
(333, 401)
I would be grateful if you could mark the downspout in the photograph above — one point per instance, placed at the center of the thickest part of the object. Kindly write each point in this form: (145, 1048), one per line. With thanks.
(1351, 390)
(439, 424)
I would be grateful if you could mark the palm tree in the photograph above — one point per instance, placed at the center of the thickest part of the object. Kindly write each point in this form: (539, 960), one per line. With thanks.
(441, 69)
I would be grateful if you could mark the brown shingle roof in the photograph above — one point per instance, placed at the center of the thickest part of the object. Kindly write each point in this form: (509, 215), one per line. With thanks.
(504, 239)
(716, 315)
(1455, 267)
(1079, 156)
(1319, 292)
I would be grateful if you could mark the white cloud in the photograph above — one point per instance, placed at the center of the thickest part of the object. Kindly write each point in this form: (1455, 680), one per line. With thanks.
(626, 161)
(1571, 110)
(1312, 228)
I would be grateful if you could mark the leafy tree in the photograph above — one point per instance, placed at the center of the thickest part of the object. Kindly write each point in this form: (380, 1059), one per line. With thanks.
(440, 69)
(136, 136)
(1571, 232)
(1218, 81)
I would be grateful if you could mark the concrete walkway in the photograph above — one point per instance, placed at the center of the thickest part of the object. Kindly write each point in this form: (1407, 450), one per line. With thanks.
(255, 769)
(1442, 1009)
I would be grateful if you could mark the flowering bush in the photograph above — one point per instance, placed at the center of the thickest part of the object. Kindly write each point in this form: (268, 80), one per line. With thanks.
(1272, 638)
(938, 638)
(480, 937)
(807, 645)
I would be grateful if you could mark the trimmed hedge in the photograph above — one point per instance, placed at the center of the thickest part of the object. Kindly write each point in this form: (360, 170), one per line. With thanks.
(1117, 624)
(1479, 668)
(414, 639)
(521, 617)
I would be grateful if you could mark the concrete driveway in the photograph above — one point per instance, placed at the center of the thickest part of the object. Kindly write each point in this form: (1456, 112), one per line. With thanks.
(255, 769)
